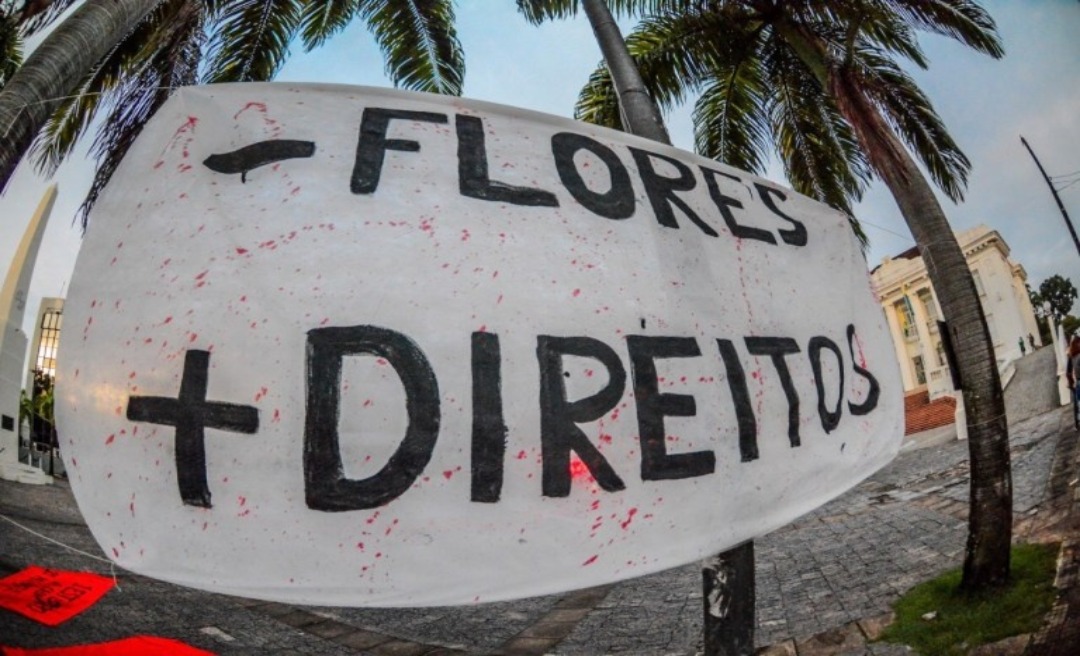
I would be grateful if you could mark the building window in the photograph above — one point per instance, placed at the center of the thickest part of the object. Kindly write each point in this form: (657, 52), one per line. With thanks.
(941, 354)
(45, 361)
(920, 370)
(978, 282)
(927, 300)
(907, 318)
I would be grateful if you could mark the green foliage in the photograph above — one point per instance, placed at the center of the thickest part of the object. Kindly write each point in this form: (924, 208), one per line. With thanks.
(1070, 325)
(1059, 293)
(766, 74)
(10, 46)
(964, 620)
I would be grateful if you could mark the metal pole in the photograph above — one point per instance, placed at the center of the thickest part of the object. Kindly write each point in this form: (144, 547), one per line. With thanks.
(727, 578)
(1068, 223)
(727, 586)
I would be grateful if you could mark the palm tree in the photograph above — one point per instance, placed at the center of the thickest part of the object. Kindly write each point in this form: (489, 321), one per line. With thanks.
(819, 81)
(179, 42)
(55, 68)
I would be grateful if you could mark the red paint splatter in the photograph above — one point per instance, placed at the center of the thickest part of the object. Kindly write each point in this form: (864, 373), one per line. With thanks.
(580, 470)
(629, 518)
(590, 561)
(522, 455)
(448, 474)
(577, 292)
(110, 439)
(241, 251)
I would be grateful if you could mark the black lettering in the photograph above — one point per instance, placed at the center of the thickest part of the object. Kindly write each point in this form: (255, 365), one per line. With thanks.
(724, 203)
(489, 426)
(661, 190)
(258, 154)
(776, 348)
(559, 433)
(795, 236)
(373, 144)
(618, 202)
(325, 485)
(740, 395)
(875, 389)
(473, 177)
(191, 414)
(830, 419)
(653, 406)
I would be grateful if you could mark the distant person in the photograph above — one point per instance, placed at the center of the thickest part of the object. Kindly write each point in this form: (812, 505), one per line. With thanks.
(1031, 340)
(1072, 366)
(1023, 349)
(1072, 361)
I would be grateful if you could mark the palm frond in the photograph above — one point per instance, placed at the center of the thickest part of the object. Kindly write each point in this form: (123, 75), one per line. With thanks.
(962, 20)
(821, 155)
(11, 49)
(730, 117)
(42, 13)
(321, 20)
(674, 52)
(538, 11)
(250, 39)
(912, 114)
(420, 44)
(598, 103)
(892, 34)
(76, 112)
(170, 60)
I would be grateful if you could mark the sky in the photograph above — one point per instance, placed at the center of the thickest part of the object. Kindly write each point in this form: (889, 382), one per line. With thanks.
(986, 104)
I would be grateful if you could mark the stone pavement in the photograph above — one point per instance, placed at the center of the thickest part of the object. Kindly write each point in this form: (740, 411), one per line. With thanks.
(821, 582)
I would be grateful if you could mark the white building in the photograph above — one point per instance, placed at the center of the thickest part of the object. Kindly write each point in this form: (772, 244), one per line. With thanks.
(912, 310)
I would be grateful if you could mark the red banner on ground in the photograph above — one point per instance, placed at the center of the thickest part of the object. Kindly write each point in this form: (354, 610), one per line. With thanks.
(135, 646)
(51, 596)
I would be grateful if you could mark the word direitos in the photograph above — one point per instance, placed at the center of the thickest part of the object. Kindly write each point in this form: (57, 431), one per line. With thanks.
(328, 489)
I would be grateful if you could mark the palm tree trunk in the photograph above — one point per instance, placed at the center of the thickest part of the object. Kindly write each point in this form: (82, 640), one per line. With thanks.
(640, 113)
(56, 67)
(986, 559)
(727, 586)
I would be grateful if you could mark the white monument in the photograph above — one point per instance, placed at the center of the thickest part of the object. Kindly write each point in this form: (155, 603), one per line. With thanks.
(13, 344)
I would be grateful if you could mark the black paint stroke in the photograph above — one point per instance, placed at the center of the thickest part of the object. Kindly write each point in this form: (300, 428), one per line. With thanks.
(191, 414)
(652, 406)
(874, 392)
(830, 419)
(740, 396)
(559, 416)
(489, 427)
(777, 348)
(258, 154)
(325, 484)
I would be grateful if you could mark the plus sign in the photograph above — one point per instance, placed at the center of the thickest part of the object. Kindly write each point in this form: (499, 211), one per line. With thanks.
(191, 413)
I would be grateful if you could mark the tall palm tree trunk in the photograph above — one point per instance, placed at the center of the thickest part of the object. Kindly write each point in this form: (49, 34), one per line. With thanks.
(640, 113)
(986, 559)
(56, 67)
(728, 594)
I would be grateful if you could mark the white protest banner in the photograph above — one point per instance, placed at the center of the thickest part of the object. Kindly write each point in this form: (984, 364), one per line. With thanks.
(340, 345)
